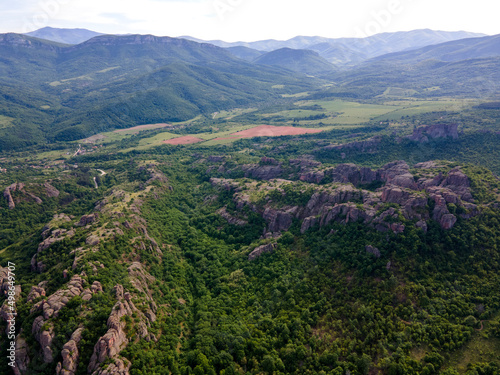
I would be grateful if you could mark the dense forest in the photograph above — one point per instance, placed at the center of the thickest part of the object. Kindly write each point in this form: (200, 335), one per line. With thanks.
(169, 208)
(158, 258)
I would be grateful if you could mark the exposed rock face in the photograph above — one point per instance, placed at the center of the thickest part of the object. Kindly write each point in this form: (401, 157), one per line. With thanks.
(22, 357)
(156, 175)
(55, 302)
(231, 219)
(425, 133)
(347, 202)
(115, 340)
(351, 173)
(8, 194)
(87, 219)
(312, 176)
(262, 172)
(70, 355)
(257, 252)
(18, 187)
(372, 250)
(308, 223)
(92, 240)
(44, 338)
(277, 220)
(56, 235)
(36, 291)
(51, 191)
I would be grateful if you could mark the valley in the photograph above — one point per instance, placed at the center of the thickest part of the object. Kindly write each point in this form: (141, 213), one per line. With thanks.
(172, 208)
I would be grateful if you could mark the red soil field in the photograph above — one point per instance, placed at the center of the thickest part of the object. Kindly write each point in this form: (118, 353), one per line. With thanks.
(143, 127)
(271, 131)
(186, 140)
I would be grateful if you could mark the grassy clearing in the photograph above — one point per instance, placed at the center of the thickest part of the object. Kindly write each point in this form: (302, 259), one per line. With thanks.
(481, 348)
(5, 122)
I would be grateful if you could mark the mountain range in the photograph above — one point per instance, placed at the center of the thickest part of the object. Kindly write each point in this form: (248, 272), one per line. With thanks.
(339, 51)
(59, 92)
(119, 81)
(64, 36)
(350, 51)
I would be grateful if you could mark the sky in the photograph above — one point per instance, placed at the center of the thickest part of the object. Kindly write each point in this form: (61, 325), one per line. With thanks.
(250, 20)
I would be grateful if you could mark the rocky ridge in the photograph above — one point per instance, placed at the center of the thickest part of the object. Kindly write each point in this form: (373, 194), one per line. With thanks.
(20, 189)
(401, 197)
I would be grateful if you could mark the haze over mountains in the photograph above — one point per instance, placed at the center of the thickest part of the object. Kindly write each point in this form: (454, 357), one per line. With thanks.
(354, 50)
(65, 36)
(338, 51)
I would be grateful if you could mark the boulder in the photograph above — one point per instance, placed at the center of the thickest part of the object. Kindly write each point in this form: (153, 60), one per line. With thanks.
(258, 251)
(51, 191)
(372, 250)
(87, 219)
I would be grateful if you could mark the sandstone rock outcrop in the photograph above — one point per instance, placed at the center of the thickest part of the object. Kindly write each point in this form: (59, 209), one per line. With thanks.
(9, 190)
(115, 340)
(36, 292)
(230, 218)
(262, 172)
(51, 191)
(55, 302)
(258, 251)
(70, 355)
(348, 202)
(22, 357)
(425, 133)
(87, 219)
(44, 334)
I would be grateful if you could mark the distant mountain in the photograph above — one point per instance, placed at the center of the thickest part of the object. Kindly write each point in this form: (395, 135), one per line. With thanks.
(60, 92)
(468, 67)
(464, 49)
(351, 51)
(298, 60)
(66, 36)
(245, 53)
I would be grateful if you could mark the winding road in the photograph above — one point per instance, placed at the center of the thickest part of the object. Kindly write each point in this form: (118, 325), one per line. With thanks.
(95, 179)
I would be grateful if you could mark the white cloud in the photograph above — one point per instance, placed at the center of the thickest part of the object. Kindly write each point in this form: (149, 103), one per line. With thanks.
(249, 19)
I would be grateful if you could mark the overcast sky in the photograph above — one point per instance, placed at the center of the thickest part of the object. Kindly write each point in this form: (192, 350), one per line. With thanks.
(249, 20)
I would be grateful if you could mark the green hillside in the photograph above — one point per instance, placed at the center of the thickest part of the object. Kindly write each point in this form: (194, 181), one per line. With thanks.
(57, 92)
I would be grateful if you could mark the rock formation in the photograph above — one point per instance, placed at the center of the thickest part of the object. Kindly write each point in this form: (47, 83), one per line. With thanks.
(115, 339)
(258, 251)
(87, 219)
(55, 302)
(20, 187)
(22, 357)
(426, 133)
(70, 355)
(348, 202)
(44, 334)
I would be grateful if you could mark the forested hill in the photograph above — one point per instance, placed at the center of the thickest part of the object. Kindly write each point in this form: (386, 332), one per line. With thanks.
(54, 92)
(240, 259)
